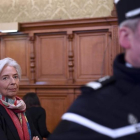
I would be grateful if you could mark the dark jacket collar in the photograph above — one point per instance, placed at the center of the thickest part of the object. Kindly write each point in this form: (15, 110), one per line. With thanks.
(127, 79)
(122, 72)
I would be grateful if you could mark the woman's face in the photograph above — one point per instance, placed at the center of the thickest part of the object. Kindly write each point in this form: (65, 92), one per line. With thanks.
(9, 82)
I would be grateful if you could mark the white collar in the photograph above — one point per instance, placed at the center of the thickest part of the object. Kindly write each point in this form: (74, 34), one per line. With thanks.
(128, 65)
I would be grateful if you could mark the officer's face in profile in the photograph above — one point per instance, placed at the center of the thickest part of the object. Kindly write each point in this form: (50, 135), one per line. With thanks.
(130, 41)
(134, 51)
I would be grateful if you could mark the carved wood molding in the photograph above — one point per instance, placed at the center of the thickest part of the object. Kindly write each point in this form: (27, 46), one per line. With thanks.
(70, 59)
(34, 86)
(32, 58)
(63, 24)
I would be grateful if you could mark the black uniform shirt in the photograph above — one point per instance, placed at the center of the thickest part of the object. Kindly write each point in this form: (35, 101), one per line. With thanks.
(108, 108)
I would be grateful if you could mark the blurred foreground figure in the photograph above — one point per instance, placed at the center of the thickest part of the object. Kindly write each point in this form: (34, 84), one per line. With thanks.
(109, 108)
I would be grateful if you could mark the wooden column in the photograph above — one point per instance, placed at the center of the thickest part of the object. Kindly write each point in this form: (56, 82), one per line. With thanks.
(70, 58)
(32, 59)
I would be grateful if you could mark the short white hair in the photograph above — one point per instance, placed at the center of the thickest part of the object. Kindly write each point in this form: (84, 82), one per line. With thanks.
(130, 23)
(10, 62)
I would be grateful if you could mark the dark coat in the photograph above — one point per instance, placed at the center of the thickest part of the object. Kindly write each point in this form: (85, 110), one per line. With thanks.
(8, 130)
(38, 116)
(111, 105)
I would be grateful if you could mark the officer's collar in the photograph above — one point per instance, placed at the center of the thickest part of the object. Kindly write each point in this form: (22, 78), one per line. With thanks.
(121, 71)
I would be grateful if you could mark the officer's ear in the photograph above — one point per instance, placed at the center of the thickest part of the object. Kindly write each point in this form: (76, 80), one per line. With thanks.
(125, 37)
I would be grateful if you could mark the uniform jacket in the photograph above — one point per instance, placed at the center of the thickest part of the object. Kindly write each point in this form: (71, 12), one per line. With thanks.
(7, 128)
(107, 109)
(38, 116)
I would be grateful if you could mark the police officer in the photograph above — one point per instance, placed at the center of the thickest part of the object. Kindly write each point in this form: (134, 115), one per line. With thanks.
(109, 108)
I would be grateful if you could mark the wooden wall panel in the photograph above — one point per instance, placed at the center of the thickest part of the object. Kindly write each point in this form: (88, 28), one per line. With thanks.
(55, 102)
(77, 93)
(51, 54)
(17, 48)
(92, 55)
(22, 92)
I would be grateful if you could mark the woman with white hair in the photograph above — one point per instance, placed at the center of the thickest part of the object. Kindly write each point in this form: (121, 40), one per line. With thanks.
(14, 123)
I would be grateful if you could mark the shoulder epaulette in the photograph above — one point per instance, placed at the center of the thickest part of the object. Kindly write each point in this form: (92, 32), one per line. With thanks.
(104, 81)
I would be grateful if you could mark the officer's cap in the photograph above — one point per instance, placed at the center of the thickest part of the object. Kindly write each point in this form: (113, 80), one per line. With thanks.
(127, 9)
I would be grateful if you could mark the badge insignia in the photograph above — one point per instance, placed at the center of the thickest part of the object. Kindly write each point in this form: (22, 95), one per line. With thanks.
(132, 119)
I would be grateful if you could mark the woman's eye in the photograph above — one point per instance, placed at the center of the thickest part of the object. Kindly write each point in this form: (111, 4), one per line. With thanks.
(16, 76)
(4, 78)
